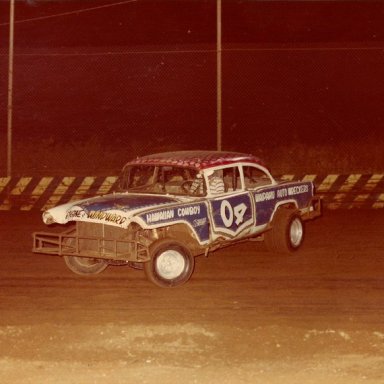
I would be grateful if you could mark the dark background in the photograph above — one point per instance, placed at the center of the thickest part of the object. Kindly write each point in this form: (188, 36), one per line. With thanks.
(127, 78)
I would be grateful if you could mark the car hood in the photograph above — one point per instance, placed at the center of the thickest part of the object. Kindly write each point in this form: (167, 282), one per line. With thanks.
(114, 209)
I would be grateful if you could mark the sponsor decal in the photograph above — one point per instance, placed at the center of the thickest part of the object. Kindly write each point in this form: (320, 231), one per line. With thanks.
(281, 192)
(75, 214)
(154, 217)
(292, 191)
(194, 215)
(108, 217)
(200, 222)
(263, 196)
(174, 213)
(188, 211)
(267, 199)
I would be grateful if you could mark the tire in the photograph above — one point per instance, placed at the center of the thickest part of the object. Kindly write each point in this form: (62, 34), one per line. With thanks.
(287, 233)
(171, 264)
(84, 265)
(135, 265)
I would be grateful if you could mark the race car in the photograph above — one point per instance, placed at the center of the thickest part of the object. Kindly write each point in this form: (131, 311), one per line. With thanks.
(171, 207)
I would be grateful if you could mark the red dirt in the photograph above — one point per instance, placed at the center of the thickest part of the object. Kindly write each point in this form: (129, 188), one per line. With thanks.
(246, 316)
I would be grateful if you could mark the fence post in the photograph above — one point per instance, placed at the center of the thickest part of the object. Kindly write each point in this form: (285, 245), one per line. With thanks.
(219, 75)
(10, 87)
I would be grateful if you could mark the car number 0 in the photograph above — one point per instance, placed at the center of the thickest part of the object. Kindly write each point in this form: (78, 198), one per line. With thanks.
(229, 213)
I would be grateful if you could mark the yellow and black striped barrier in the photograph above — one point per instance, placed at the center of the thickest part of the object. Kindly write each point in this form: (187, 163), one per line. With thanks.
(27, 193)
(347, 191)
(31, 193)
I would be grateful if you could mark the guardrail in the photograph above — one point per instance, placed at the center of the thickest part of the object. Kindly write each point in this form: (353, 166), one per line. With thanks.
(40, 193)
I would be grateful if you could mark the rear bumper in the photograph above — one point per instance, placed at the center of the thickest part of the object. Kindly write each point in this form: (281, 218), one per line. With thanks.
(313, 210)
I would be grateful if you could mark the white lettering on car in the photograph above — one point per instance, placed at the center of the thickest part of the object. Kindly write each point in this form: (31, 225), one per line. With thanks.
(188, 211)
(229, 213)
(109, 217)
(263, 196)
(298, 189)
(159, 216)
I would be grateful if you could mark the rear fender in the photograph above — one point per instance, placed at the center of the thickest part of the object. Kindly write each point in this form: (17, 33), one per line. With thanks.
(287, 204)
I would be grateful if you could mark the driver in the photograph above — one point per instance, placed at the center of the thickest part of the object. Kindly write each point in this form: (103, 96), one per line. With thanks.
(197, 187)
(216, 183)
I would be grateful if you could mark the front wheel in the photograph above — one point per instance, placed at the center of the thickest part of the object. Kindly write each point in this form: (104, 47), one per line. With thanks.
(171, 264)
(287, 233)
(85, 265)
(82, 265)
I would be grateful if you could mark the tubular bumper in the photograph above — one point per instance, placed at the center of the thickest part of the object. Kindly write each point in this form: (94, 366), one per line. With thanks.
(68, 244)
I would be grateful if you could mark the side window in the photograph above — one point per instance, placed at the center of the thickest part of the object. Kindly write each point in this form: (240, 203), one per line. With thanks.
(255, 177)
(232, 180)
(216, 182)
(140, 176)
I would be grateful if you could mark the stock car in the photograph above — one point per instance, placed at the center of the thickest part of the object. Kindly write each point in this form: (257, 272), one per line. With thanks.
(170, 207)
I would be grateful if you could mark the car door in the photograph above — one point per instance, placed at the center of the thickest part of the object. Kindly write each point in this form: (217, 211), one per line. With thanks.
(260, 184)
(231, 212)
(231, 215)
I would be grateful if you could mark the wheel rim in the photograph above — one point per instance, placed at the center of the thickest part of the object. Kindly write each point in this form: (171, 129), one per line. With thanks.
(170, 264)
(87, 262)
(296, 232)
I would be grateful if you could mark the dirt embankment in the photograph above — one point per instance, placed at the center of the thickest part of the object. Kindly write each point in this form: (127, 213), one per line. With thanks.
(246, 316)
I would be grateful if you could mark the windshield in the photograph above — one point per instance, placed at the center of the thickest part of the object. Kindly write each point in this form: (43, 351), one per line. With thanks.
(162, 180)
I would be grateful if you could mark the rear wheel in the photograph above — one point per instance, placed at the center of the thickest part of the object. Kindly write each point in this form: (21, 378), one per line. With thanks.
(287, 233)
(171, 264)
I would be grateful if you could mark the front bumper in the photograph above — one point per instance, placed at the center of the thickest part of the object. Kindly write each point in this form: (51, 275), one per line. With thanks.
(69, 243)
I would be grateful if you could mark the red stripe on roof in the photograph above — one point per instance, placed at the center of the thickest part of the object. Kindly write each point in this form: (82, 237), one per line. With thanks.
(197, 159)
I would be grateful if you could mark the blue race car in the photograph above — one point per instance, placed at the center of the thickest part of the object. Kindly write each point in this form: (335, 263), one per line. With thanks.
(171, 207)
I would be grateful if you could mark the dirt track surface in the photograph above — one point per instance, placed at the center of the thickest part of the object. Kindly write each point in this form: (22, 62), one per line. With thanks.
(246, 316)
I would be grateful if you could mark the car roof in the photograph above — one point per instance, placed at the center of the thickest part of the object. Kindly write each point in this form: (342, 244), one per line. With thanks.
(197, 159)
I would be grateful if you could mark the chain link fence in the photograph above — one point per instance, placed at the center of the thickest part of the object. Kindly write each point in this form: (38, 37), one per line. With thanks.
(83, 105)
